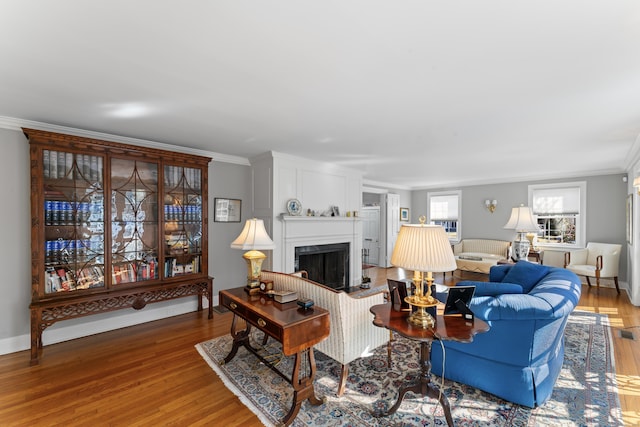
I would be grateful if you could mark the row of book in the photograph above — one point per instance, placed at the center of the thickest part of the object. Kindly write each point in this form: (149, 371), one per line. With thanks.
(173, 268)
(182, 213)
(57, 212)
(61, 165)
(134, 271)
(64, 280)
(60, 250)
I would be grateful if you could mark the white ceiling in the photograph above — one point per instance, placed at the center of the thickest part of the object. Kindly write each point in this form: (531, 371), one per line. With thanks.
(416, 94)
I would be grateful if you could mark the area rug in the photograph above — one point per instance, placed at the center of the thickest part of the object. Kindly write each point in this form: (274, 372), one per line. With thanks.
(585, 393)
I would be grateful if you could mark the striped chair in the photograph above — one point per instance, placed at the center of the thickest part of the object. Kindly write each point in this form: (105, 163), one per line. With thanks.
(352, 333)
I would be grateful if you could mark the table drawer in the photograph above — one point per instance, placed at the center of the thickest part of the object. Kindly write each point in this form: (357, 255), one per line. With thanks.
(236, 308)
(264, 324)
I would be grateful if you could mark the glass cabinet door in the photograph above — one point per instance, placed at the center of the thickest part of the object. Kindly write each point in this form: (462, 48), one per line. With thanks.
(182, 220)
(73, 221)
(134, 221)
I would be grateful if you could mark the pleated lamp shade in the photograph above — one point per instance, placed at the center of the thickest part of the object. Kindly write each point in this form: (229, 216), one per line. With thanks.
(425, 248)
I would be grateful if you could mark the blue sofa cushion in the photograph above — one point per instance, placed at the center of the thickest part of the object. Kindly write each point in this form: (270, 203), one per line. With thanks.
(492, 289)
(526, 274)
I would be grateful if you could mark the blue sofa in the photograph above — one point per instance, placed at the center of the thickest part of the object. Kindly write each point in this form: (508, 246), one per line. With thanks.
(527, 307)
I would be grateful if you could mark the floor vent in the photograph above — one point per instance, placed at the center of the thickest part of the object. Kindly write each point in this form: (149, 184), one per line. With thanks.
(627, 334)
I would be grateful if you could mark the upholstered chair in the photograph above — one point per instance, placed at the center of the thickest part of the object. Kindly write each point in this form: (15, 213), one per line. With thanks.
(352, 332)
(599, 260)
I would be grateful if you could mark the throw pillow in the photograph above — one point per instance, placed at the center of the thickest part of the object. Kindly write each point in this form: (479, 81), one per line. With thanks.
(492, 289)
(526, 274)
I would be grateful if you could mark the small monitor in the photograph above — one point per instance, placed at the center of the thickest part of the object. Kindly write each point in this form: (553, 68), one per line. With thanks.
(457, 295)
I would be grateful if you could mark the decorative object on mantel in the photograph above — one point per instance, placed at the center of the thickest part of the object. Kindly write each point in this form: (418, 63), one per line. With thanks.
(491, 205)
(523, 221)
(294, 207)
(252, 239)
(587, 380)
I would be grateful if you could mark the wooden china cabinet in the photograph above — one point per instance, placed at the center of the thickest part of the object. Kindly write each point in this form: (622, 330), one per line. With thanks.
(113, 226)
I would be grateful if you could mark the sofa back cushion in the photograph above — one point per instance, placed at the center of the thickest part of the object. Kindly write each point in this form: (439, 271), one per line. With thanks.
(492, 289)
(525, 274)
(485, 246)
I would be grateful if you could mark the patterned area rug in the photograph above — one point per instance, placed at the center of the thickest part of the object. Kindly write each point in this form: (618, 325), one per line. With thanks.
(585, 393)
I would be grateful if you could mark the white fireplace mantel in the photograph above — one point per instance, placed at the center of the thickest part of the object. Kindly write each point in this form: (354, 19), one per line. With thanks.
(317, 230)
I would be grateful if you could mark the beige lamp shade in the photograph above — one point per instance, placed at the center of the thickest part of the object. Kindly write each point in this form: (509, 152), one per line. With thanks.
(425, 248)
(253, 237)
(521, 220)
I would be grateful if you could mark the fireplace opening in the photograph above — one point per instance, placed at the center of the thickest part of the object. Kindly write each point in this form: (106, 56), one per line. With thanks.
(326, 264)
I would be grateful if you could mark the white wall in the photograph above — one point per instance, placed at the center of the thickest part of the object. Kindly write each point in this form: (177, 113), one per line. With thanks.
(278, 178)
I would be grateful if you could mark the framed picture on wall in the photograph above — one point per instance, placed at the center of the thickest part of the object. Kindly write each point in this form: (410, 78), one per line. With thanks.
(227, 210)
(404, 214)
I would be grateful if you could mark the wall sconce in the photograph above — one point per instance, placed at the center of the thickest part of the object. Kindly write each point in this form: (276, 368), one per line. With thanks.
(636, 184)
(492, 204)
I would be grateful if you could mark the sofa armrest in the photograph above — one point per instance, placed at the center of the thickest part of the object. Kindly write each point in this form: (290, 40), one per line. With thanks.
(457, 247)
(360, 335)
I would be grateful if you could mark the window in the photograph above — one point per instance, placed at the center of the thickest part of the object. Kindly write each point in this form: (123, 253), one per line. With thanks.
(560, 209)
(444, 209)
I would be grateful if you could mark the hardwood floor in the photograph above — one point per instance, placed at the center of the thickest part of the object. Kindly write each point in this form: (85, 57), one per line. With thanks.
(151, 374)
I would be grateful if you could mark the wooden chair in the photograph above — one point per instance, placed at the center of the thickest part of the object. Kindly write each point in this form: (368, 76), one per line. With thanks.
(599, 260)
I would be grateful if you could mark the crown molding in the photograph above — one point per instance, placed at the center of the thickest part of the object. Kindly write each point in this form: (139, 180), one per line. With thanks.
(16, 124)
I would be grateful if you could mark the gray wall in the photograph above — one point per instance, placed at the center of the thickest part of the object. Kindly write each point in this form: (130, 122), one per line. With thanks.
(606, 203)
(226, 265)
(15, 220)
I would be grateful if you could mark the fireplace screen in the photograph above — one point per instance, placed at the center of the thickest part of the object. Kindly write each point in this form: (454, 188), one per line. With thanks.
(326, 264)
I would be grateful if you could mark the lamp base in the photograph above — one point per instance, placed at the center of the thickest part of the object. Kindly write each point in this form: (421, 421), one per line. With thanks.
(420, 317)
(254, 269)
(521, 247)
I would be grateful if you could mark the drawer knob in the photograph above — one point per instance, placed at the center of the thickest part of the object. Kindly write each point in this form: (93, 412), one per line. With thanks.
(233, 305)
(262, 323)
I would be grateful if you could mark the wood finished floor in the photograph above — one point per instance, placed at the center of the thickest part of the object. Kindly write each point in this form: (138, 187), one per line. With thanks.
(151, 374)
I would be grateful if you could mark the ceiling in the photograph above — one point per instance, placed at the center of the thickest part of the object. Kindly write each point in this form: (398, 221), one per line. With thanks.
(416, 94)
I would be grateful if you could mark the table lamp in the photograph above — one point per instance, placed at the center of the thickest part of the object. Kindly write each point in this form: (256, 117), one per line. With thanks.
(253, 238)
(523, 221)
(423, 249)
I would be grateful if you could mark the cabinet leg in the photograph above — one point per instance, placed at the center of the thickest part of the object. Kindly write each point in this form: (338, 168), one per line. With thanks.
(36, 338)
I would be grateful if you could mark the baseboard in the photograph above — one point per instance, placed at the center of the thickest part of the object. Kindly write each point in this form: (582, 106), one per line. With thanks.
(90, 325)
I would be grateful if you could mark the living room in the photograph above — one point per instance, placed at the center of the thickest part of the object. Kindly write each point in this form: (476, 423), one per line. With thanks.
(231, 175)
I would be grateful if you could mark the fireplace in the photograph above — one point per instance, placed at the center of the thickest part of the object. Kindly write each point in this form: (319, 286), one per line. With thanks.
(320, 237)
(327, 264)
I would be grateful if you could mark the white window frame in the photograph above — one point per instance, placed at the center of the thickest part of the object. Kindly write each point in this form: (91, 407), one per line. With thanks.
(456, 193)
(581, 218)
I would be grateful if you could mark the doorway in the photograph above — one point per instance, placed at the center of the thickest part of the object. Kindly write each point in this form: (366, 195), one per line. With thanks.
(370, 236)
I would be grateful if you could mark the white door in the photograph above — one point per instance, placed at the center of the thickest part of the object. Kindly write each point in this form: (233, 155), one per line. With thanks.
(393, 225)
(370, 235)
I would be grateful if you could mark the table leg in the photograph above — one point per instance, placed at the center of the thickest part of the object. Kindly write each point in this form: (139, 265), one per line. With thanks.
(423, 387)
(302, 386)
(240, 338)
